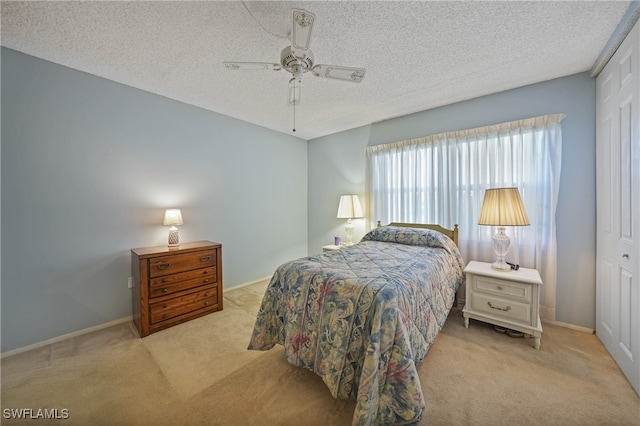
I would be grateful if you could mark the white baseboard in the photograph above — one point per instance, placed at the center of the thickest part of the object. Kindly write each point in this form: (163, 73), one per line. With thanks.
(570, 326)
(247, 284)
(96, 328)
(461, 304)
(66, 336)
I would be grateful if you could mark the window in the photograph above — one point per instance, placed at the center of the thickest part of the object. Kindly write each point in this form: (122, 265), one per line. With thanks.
(442, 178)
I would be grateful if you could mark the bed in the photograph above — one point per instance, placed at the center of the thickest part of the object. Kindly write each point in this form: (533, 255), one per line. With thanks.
(364, 317)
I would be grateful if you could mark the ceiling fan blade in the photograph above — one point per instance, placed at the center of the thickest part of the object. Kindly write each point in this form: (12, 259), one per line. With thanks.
(301, 28)
(252, 66)
(339, 73)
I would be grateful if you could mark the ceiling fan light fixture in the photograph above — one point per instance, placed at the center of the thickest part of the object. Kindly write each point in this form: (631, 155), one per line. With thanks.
(294, 92)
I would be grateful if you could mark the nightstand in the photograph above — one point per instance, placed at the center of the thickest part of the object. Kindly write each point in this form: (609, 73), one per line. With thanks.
(507, 299)
(331, 247)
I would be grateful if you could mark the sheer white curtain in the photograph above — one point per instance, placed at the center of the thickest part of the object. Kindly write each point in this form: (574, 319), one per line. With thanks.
(442, 178)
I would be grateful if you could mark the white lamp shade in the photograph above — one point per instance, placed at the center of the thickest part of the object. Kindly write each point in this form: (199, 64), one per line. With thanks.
(172, 217)
(503, 207)
(349, 207)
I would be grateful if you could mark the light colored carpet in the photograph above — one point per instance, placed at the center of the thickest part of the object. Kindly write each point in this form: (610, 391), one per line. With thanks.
(200, 373)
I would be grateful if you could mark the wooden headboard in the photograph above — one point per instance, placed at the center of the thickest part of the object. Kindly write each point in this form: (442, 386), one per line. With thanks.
(451, 233)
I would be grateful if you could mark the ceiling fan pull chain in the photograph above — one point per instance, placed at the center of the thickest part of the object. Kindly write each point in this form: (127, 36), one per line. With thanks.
(294, 106)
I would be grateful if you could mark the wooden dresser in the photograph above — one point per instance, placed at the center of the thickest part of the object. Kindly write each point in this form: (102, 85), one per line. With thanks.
(172, 285)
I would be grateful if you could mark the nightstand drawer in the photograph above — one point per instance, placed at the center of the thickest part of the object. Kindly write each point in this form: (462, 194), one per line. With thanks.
(502, 288)
(495, 306)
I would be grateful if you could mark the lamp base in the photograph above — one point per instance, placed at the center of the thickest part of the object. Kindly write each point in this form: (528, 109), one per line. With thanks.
(501, 265)
(501, 246)
(348, 229)
(174, 238)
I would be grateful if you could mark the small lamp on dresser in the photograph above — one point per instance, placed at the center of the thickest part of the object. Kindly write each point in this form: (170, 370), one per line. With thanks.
(173, 218)
(349, 208)
(502, 207)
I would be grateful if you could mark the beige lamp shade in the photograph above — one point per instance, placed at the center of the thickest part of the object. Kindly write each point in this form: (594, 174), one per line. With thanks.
(503, 207)
(349, 207)
(172, 217)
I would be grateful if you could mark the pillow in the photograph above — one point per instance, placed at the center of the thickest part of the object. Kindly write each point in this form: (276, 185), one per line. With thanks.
(410, 236)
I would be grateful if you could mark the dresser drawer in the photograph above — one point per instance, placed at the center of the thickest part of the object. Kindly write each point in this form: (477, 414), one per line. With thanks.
(168, 284)
(171, 264)
(504, 308)
(175, 287)
(503, 289)
(170, 308)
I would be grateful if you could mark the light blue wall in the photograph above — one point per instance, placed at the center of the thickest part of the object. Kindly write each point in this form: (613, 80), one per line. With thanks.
(88, 167)
(337, 165)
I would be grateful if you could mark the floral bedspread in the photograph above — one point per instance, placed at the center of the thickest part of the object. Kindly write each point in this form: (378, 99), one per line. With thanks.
(364, 317)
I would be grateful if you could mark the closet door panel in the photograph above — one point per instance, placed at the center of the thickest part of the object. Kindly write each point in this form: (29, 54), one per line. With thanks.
(618, 207)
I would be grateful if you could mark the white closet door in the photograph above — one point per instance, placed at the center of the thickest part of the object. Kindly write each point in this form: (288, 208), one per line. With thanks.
(618, 213)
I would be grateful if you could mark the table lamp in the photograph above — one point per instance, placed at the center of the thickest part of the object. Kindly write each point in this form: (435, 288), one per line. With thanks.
(173, 217)
(502, 207)
(349, 208)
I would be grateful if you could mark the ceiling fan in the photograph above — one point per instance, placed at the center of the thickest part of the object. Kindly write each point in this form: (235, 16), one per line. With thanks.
(298, 59)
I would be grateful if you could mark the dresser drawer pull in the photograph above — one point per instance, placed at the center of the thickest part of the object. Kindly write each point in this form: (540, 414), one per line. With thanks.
(165, 280)
(164, 305)
(164, 316)
(206, 280)
(206, 303)
(207, 293)
(499, 288)
(205, 258)
(164, 290)
(163, 265)
(507, 309)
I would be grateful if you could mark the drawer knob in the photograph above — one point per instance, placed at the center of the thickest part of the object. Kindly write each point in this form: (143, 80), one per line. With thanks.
(164, 316)
(163, 265)
(164, 305)
(164, 290)
(205, 272)
(207, 293)
(625, 255)
(205, 258)
(165, 280)
(507, 309)
(499, 288)
(206, 280)
(206, 303)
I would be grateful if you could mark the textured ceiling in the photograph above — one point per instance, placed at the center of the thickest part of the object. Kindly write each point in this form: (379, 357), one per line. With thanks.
(418, 55)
